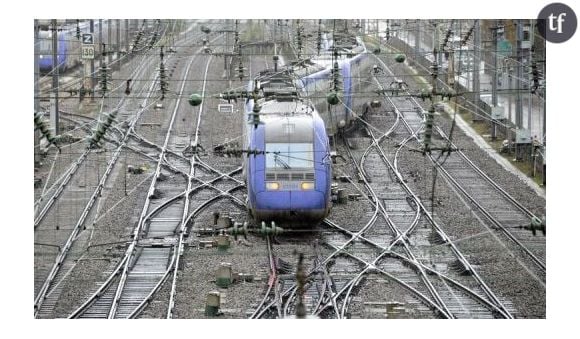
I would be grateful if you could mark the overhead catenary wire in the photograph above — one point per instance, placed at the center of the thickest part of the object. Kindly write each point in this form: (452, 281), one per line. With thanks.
(306, 39)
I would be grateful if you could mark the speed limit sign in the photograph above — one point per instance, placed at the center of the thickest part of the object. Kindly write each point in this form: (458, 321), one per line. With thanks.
(87, 51)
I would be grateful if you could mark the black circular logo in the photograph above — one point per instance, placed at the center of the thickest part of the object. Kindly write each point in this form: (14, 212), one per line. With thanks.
(557, 22)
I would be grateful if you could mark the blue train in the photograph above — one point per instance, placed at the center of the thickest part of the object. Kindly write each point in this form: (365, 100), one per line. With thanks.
(67, 44)
(290, 180)
(315, 76)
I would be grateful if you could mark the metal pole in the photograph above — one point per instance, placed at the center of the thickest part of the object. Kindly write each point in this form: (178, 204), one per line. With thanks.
(36, 91)
(93, 78)
(436, 53)
(417, 40)
(534, 161)
(544, 131)
(510, 94)
(54, 112)
(84, 83)
(494, 73)
(125, 172)
(118, 41)
(476, 61)
(438, 44)
(101, 40)
(228, 27)
(494, 77)
(543, 91)
(469, 69)
(519, 103)
(459, 66)
(529, 84)
(544, 115)
(109, 40)
(127, 35)
(432, 27)
(519, 74)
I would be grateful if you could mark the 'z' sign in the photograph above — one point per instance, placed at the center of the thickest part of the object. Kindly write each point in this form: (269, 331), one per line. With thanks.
(87, 39)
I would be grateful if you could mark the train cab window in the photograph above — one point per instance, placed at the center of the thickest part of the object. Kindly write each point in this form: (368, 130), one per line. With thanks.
(289, 156)
(45, 45)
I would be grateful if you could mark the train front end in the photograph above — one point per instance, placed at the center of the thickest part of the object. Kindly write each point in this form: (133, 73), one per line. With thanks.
(290, 183)
(45, 60)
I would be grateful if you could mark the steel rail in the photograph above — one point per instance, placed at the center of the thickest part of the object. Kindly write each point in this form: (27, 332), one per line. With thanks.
(387, 251)
(395, 230)
(70, 240)
(77, 163)
(186, 204)
(486, 177)
(135, 234)
(488, 215)
(420, 295)
(173, 266)
(430, 218)
(64, 251)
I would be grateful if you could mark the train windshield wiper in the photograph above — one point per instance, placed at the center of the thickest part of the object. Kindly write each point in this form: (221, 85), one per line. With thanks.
(281, 162)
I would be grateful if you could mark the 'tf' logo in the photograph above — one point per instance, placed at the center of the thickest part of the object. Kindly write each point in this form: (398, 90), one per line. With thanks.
(557, 22)
(560, 20)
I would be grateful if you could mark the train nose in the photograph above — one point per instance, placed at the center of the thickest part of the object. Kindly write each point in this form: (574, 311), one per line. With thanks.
(44, 63)
(306, 200)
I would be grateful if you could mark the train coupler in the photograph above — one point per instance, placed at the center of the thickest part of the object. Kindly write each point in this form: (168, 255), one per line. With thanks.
(272, 230)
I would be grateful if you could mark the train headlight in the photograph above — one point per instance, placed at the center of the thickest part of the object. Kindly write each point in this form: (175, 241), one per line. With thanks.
(307, 185)
(272, 186)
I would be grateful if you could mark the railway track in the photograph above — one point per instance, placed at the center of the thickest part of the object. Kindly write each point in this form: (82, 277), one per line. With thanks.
(350, 272)
(73, 169)
(447, 294)
(272, 294)
(69, 194)
(146, 259)
(158, 240)
(401, 241)
(505, 214)
(400, 244)
(494, 305)
(46, 287)
(450, 288)
(412, 230)
(281, 296)
(54, 278)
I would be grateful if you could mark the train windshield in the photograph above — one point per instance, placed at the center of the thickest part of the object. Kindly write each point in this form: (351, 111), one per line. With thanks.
(287, 156)
(45, 42)
(45, 46)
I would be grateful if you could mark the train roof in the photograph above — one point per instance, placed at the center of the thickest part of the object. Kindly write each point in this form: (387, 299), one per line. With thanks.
(299, 127)
(305, 67)
(277, 85)
(322, 62)
(275, 107)
(280, 95)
